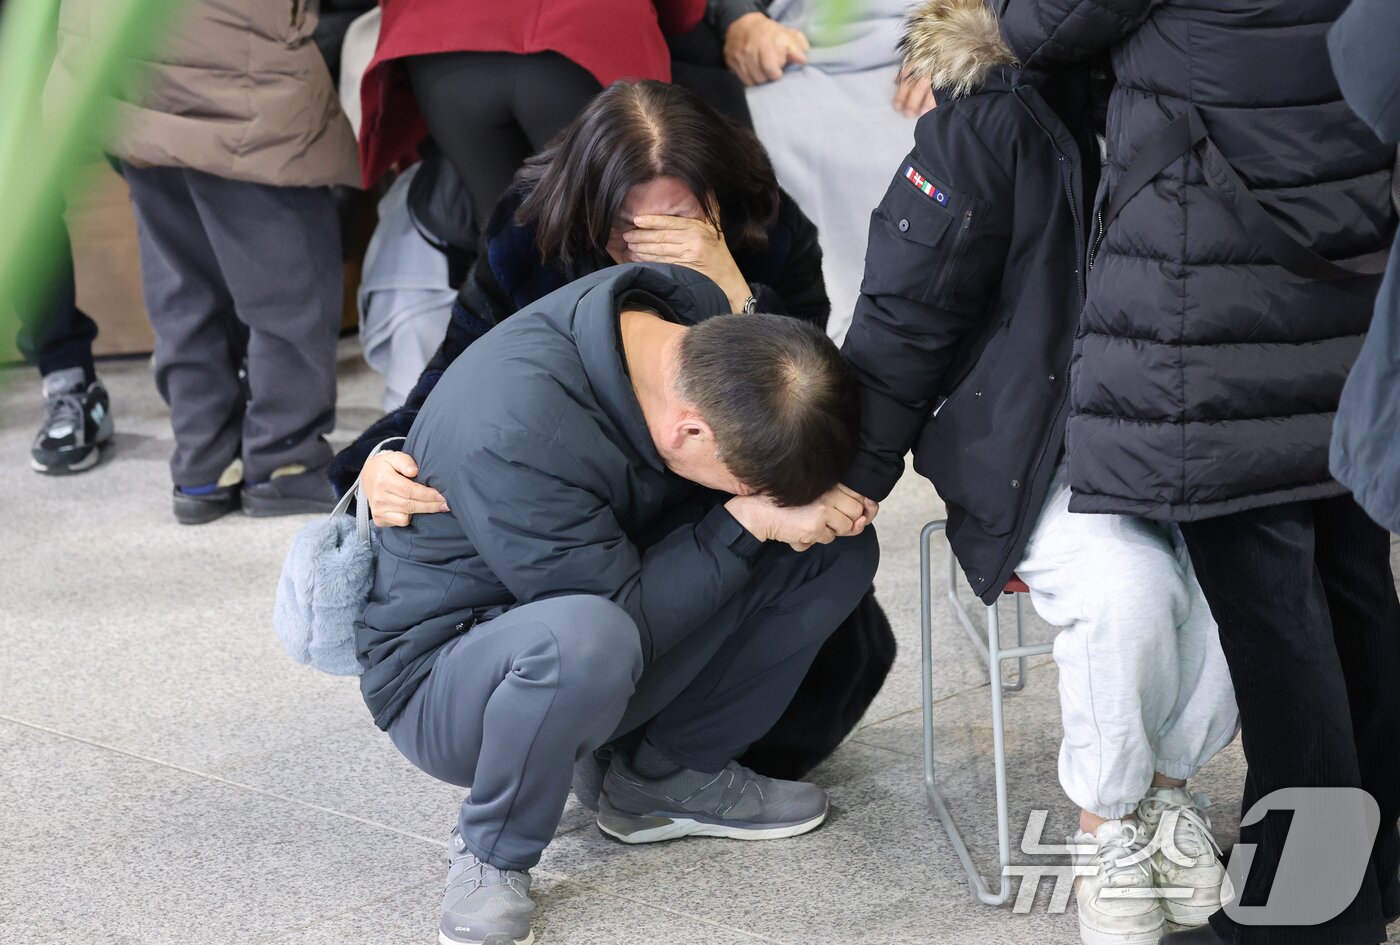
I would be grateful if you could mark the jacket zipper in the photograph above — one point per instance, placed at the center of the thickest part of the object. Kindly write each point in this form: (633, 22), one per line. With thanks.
(1098, 237)
(955, 257)
(1079, 285)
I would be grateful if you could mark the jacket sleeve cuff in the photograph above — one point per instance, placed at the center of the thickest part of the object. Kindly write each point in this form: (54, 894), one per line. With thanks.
(721, 529)
(873, 477)
(722, 13)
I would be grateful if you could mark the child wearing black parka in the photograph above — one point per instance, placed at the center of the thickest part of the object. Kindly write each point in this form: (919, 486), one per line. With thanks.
(962, 342)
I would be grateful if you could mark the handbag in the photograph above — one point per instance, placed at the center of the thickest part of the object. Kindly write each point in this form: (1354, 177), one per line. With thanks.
(325, 583)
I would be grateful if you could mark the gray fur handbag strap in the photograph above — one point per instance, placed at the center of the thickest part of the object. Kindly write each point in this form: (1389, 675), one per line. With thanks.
(353, 493)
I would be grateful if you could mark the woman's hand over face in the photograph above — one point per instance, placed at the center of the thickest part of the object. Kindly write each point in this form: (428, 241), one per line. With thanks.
(386, 483)
(695, 244)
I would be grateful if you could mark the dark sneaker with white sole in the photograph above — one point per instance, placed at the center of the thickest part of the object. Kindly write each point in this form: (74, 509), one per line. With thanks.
(484, 905)
(292, 490)
(735, 803)
(78, 422)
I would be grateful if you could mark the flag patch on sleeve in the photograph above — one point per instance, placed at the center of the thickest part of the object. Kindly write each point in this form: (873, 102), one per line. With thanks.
(928, 187)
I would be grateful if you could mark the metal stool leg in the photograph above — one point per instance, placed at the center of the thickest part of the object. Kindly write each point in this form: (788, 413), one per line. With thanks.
(965, 619)
(1020, 682)
(980, 888)
(999, 742)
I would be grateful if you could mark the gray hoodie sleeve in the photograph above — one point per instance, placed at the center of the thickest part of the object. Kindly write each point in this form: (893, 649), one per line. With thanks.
(543, 537)
(1365, 47)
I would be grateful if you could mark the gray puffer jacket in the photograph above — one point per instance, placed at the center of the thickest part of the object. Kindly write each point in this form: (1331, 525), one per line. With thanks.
(1365, 46)
(535, 438)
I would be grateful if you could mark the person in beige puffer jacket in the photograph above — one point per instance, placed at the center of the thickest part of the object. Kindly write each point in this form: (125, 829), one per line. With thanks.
(230, 136)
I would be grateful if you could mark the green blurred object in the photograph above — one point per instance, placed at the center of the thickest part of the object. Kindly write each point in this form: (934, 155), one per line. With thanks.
(829, 16)
(40, 151)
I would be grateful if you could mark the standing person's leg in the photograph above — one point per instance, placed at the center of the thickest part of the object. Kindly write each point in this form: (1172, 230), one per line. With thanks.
(1258, 570)
(702, 703)
(278, 249)
(507, 709)
(465, 98)
(490, 111)
(57, 337)
(550, 91)
(196, 364)
(1353, 558)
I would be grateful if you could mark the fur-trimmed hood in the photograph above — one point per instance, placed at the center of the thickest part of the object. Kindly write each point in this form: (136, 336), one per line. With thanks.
(953, 43)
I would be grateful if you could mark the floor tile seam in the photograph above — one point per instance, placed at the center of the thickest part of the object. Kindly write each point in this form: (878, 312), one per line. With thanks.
(919, 708)
(1034, 663)
(856, 739)
(205, 775)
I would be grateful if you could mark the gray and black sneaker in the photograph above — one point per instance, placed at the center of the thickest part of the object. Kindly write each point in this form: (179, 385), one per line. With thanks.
(78, 423)
(484, 905)
(734, 803)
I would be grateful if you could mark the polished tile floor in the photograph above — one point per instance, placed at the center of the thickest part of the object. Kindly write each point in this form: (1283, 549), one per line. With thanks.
(168, 775)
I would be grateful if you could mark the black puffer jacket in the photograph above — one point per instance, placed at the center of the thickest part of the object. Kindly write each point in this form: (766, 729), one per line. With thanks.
(1207, 369)
(962, 335)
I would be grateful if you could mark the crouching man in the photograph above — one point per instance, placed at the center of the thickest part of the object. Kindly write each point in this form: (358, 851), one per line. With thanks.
(630, 485)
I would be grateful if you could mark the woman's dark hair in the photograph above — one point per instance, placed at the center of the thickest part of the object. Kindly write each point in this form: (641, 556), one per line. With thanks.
(633, 132)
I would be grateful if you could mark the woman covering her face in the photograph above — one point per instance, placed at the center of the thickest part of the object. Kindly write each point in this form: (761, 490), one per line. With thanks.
(646, 173)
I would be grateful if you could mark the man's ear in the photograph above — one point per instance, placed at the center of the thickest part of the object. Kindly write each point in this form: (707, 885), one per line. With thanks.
(689, 428)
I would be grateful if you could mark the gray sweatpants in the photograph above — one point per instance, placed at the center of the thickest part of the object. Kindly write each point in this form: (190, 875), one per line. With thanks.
(513, 704)
(1144, 686)
(230, 268)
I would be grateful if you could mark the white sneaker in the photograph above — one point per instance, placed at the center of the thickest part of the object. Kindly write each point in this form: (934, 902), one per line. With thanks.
(1117, 903)
(1190, 878)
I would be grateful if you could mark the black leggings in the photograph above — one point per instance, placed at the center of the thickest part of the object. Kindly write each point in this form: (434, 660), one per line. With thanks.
(489, 111)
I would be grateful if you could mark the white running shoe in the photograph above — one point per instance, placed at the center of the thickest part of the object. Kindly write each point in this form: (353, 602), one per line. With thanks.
(1118, 902)
(1190, 878)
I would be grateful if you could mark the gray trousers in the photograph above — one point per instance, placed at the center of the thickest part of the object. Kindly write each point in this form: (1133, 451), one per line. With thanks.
(230, 268)
(513, 704)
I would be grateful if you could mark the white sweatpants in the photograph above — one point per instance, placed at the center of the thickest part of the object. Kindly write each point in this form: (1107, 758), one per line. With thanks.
(1143, 682)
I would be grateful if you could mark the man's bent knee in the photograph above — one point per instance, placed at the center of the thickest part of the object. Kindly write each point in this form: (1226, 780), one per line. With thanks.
(597, 640)
(855, 558)
(861, 553)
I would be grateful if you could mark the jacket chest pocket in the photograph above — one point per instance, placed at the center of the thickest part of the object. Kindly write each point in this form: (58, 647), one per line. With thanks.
(918, 239)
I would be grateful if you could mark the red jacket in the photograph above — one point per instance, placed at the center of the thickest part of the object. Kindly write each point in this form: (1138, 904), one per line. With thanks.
(613, 39)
